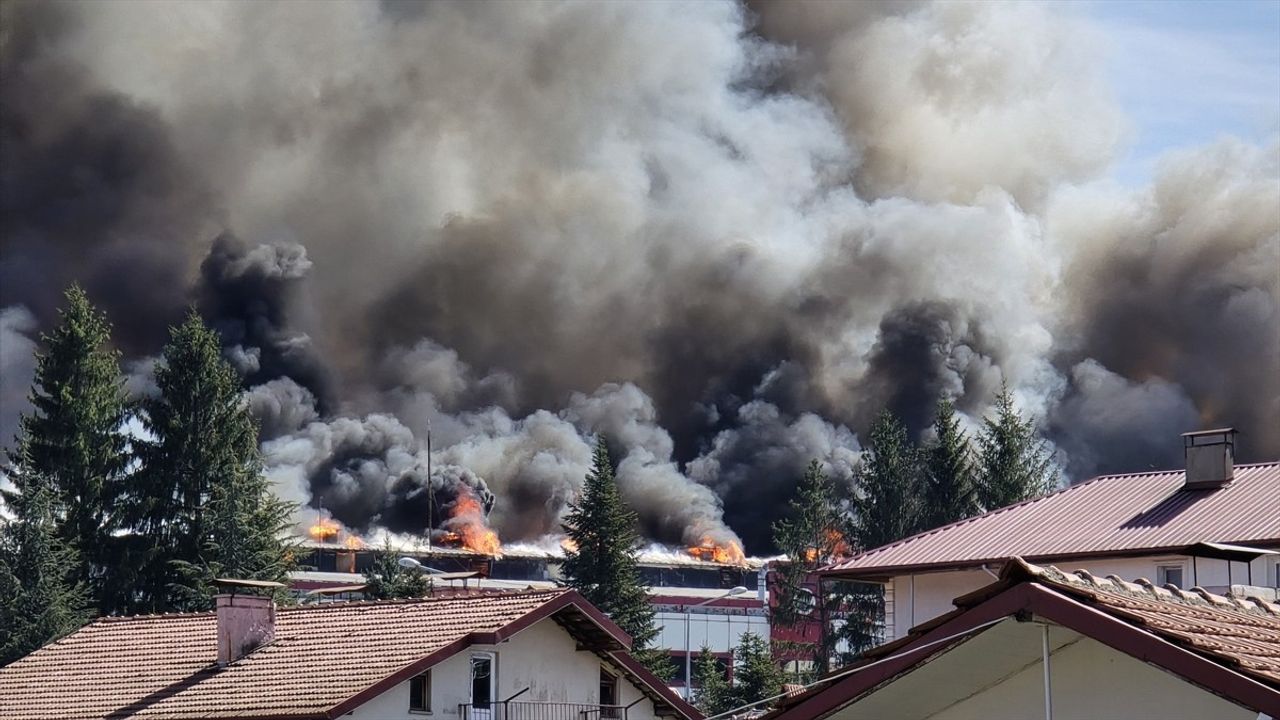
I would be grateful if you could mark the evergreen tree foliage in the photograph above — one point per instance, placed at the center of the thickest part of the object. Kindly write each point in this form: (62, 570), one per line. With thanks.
(710, 691)
(887, 501)
(813, 534)
(756, 676)
(601, 560)
(247, 531)
(385, 579)
(1014, 462)
(74, 439)
(949, 485)
(39, 604)
(199, 504)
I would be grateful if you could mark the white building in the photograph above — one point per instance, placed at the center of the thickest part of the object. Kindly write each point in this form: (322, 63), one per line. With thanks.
(533, 655)
(1214, 525)
(1039, 643)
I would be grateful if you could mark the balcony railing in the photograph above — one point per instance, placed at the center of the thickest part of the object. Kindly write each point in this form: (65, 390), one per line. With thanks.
(509, 710)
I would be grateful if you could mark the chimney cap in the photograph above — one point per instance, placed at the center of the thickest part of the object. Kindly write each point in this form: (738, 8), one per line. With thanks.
(1215, 431)
(233, 583)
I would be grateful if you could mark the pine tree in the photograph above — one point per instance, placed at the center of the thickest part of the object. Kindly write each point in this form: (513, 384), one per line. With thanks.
(385, 579)
(39, 604)
(1014, 462)
(886, 503)
(199, 503)
(756, 677)
(601, 561)
(247, 527)
(74, 438)
(949, 492)
(710, 691)
(812, 535)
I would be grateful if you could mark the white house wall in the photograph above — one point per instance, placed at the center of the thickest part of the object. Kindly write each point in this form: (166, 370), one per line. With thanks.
(924, 596)
(542, 657)
(1091, 681)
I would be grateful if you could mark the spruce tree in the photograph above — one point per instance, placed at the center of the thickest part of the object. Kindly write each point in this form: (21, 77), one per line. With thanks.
(886, 503)
(39, 605)
(385, 579)
(1014, 462)
(949, 486)
(199, 504)
(756, 677)
(247, 528)
(813, 534)
(600, 561)
(709, 690)
(74, 438)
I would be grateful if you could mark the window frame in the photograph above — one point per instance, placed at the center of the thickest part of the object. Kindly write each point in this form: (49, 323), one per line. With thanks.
(425, 677)
(1162, 573)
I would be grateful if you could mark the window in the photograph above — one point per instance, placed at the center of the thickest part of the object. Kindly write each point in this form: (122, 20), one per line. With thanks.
(608, 695)
(481, 682)
(1169, 574)
(420, 692)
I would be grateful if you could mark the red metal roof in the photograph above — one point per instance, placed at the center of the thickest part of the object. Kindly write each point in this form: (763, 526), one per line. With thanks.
(1108, 515)
(325, 659)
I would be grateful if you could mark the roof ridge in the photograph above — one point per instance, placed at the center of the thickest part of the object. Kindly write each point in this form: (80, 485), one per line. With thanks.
(452, 597)
(1145, 589)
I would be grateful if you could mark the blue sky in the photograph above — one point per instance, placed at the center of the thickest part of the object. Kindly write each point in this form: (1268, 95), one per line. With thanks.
(1188, 73)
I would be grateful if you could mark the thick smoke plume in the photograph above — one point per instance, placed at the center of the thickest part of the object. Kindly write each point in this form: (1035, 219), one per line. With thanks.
(721, 236)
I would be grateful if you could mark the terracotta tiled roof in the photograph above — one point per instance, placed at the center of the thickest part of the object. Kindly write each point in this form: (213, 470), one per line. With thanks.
(1108, 515)
(164, 666)
(1242, 633)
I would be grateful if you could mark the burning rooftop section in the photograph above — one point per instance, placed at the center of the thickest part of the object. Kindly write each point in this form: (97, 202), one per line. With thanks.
(467, 526)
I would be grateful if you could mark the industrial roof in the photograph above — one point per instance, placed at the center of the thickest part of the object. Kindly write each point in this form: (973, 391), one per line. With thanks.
(1108, 515)
(1229, 646)
(324, 661)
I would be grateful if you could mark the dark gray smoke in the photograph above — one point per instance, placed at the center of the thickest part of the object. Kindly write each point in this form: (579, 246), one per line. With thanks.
(521, 226)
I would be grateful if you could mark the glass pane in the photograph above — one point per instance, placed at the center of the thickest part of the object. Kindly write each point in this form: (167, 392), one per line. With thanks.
(481, 682)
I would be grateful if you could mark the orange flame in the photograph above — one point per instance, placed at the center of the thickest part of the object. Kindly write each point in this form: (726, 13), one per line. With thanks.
(324, 530)
(568, 545)
(833, 548)
(353, 543)
(467, 526)
(708, 550)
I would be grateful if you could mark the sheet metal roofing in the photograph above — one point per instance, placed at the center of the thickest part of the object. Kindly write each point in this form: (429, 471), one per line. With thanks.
(1108, 515)
(323, 656)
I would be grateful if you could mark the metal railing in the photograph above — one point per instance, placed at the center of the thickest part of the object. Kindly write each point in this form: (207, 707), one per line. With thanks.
(508, 710)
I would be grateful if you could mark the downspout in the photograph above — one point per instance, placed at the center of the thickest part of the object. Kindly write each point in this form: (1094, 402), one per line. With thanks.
(1048, 685)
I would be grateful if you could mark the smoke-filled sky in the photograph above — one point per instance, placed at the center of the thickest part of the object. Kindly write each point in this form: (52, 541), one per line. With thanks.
(724, 236)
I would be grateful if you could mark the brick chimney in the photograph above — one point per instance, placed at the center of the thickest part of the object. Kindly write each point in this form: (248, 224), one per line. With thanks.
(245, 622)
(1210, 458)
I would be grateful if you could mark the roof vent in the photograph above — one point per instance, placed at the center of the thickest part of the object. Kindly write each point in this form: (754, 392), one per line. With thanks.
(1210, 458)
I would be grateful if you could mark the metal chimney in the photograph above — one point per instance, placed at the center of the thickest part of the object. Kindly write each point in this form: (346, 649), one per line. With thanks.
(1210, 458)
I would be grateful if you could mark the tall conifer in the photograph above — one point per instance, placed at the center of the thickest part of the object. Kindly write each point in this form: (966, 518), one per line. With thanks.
(73, 440)
(1014, 462)
(813, 534)
(200, 505)
(886, 502)
(949, 492)
(39, 604)
(601, 560)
